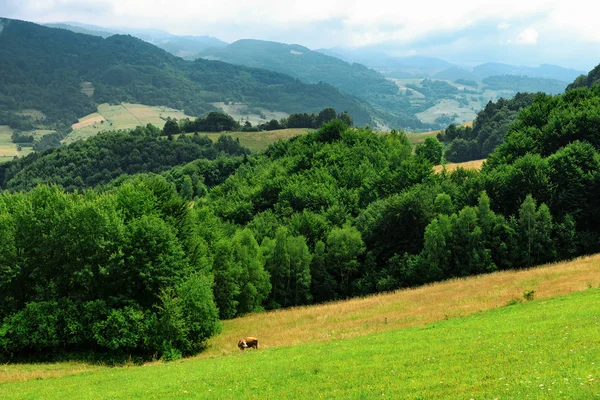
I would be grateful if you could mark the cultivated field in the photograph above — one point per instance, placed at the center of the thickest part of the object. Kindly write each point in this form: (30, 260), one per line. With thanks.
(455, 339)
(121, 116)
(475, 164)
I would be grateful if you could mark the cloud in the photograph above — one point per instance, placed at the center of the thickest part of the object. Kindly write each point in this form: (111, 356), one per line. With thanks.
(503, 26)
(528, 36)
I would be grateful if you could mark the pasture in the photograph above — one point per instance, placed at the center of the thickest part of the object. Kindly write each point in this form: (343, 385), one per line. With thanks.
(8, 150)
(450, 107)
(258, 141)
(454, 339)
(539, 349)
(121, 116)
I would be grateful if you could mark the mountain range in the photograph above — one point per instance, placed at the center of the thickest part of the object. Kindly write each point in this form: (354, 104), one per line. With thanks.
(45, 69)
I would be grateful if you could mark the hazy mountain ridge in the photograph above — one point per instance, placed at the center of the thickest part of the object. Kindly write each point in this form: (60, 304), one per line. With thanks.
(182, 46)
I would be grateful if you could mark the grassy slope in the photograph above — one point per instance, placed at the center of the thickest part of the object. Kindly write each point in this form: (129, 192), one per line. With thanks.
(7, 148)
(327, 324)
(543, 349)
(258, 141)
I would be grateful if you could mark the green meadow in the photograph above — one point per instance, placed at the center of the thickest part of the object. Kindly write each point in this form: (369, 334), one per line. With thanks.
(548, 348)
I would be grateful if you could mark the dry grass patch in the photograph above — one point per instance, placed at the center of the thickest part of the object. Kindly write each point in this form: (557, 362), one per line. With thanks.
(405, 308)
(88, 120)
(475, 164)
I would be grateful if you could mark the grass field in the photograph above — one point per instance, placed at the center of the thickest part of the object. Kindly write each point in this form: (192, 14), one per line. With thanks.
(475, 164)
(319, 337)
(121, 116)
(419, 137)
(541, 349)
(450, 107)
(258, 141)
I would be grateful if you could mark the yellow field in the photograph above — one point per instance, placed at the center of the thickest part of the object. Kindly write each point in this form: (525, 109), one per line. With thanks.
(377, 313)
(258, 141)
(475, 164)
(121, 116)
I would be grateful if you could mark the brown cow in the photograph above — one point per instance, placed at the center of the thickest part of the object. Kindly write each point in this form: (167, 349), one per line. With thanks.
(246, 342)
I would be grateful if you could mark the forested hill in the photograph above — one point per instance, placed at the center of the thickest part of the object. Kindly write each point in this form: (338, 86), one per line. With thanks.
(303, 63)
(101, 158)
(313, 67)
(589, 80)
(44, 68)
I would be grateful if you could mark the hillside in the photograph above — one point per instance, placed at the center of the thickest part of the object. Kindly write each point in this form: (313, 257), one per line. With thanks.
(45, 69)
(313, 67)
(362, 347)
(587, 80)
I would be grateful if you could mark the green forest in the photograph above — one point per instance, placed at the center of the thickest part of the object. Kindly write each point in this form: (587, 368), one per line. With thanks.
(135, 244)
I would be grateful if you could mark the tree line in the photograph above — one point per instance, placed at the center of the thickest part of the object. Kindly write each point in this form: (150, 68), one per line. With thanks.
(217, 121)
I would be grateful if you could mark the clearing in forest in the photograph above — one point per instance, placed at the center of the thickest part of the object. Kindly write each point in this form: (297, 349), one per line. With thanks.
(474, 164)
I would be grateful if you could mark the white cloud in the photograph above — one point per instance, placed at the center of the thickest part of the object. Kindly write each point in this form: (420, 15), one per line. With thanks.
(528, 36)
(503, 26)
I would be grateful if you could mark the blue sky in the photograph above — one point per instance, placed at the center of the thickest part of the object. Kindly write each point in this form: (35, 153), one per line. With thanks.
(468, 32)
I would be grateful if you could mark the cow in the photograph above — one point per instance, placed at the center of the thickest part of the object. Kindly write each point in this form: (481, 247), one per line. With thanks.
(246, 342)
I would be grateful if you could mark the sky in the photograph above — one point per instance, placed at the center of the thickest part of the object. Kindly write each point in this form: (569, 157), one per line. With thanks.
(466, 32)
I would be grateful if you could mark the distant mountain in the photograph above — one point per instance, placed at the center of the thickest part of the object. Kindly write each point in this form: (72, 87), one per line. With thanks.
(543, 71)
(312, 67)
(44, 68)
(521, 83)
(400, 67)
(91, 30)
(454, 73)
(304, 64)
(182, 46)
